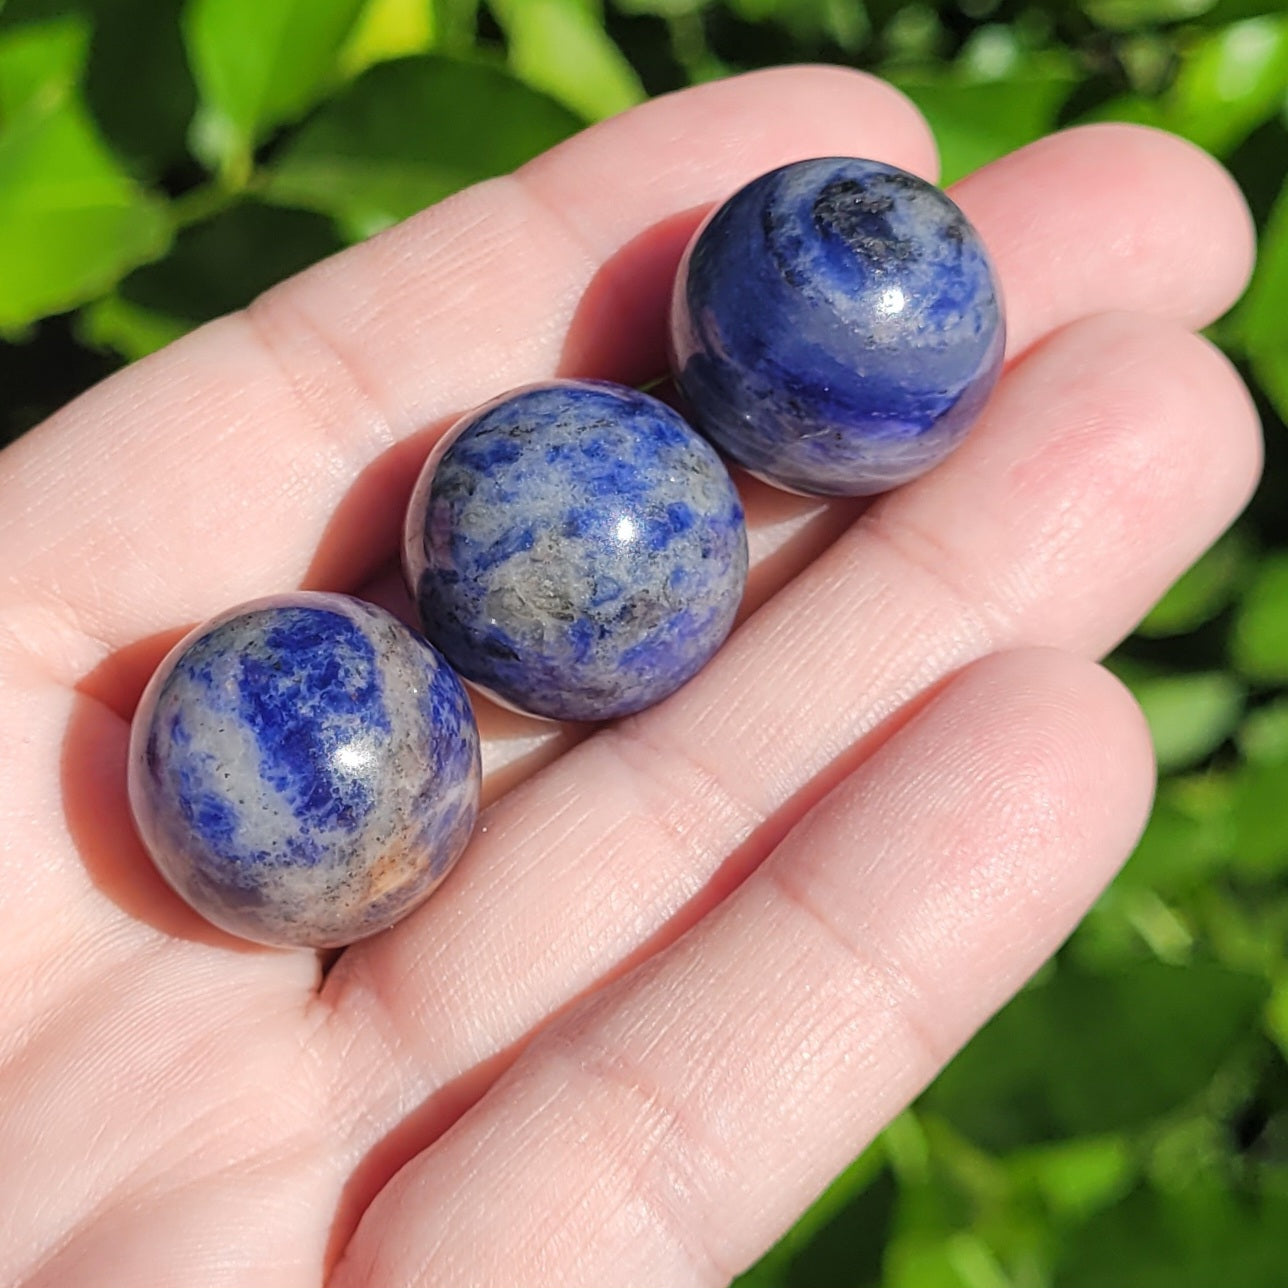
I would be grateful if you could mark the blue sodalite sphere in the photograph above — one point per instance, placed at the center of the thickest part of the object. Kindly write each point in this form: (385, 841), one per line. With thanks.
(836, 326)
(304, 770)
(576, 549)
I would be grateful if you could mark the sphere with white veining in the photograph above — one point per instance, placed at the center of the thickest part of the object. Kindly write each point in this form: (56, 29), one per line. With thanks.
(837, 326)
(304, 769)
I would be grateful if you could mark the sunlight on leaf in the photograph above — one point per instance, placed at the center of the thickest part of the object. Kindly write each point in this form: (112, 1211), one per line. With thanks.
(1189, 715)
(387, 29)
(561, 49)
(72, 221)
(1078, 1177)
(1231, 82)
(258, 63)
(1127, 15)
(41, 66)
(1277, 1016)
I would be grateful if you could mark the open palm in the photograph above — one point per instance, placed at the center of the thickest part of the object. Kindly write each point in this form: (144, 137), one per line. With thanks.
(691, 963)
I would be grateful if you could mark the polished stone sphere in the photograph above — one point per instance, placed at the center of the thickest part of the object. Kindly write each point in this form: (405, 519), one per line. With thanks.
(836, 327)
(304, 769)
(576, 549)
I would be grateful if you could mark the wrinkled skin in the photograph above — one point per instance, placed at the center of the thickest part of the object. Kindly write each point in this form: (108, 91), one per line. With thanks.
(692, 963)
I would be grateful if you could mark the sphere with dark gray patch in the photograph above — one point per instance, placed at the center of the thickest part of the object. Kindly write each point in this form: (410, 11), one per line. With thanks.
(837, 326)
(576, 549)
(304, 770)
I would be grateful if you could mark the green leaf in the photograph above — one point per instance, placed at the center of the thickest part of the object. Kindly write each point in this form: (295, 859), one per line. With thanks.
(1129, 109)
(134, 47)
(1084, 1055)
(72, 222)
(1077, 1177)
(127, 329)
(1262, 321)
(1259, 644)
(224, 262)
(1263, 736)
(977, 121)
(911, 34)
(257, 64)
(661, 8)
(1131, 670)
(957, 1260)
(455, 22)
(1224, 11)
(388, 29)
(560, 47)
(41, 373)
(843, 1192)
(1131, 15)
(1247, 929)
(842, 21)
(1277, 1016)
(840, 1240)
(1122, 929)
(1198, 1237)
(41, 66)
(137, 82)
(1189, 837)
(1229, 83)
(1189, 715)
(1261, 838)
(358, 161)
(929, 1217)
(1203, 591)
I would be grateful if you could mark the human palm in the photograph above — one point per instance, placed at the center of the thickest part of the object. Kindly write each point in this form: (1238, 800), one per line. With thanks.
(692, 962)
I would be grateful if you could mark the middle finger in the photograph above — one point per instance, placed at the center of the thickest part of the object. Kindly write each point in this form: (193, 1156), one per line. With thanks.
(1093, 479)
(1107, 216)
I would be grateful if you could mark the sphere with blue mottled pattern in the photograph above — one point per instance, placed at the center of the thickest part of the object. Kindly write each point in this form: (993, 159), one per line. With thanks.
(576, 549)
(304, 770)
(837, 326)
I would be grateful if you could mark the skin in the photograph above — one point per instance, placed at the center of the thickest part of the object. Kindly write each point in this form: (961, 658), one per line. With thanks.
(691, 965)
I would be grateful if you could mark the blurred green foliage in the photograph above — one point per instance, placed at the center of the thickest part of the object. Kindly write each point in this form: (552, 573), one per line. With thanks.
(1124, 1121)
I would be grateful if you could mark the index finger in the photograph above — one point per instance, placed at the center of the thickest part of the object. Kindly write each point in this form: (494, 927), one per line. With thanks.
(272, 448)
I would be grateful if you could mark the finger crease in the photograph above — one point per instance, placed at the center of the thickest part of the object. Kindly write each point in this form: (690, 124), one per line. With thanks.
(337, 399)
(683, 797)
(670, 1164)
(922, 551)
(598, 260)
(878, 975)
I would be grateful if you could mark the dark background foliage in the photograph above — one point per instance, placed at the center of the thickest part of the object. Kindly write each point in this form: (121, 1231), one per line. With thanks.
(1124, 1122)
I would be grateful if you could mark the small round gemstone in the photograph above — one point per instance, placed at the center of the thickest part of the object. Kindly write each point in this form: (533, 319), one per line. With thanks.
(304, 769)
(837, 326)
(576, 549)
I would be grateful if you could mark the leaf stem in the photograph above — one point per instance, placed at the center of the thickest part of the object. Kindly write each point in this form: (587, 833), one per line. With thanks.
(205, 202)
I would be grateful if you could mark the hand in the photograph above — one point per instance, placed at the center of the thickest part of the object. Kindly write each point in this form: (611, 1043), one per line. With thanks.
(695, 961)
